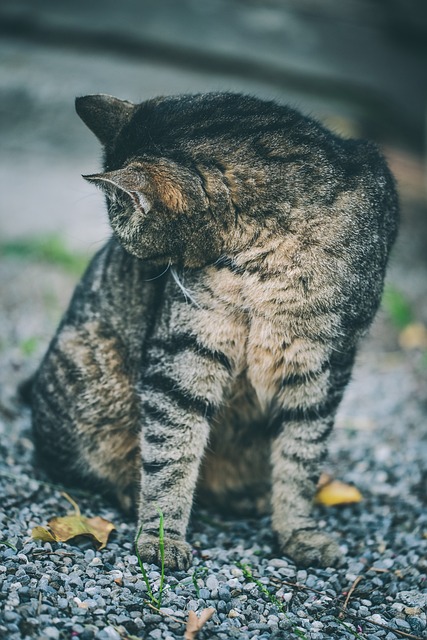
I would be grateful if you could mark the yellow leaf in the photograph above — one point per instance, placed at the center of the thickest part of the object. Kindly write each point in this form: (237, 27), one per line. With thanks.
(62, 529)
(335, 492)
(40, 533)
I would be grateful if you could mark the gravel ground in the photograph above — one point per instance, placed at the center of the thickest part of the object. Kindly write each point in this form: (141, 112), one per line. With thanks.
(73, 591)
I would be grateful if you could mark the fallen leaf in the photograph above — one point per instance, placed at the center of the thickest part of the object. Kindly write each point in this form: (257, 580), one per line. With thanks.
(194, 623)
(62, 529)
(413, 336)
(334, 492)
(325, 478)
(40, 533)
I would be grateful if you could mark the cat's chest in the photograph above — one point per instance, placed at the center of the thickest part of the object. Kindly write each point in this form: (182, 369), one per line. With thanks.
(245, 326)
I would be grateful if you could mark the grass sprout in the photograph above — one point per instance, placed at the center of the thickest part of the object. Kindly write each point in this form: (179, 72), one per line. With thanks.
(270, 596)
(9, 544)
(157, 602)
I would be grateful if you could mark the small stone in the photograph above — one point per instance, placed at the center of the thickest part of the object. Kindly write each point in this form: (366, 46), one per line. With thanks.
(110, 633)
(212, 583)
(316, 625)
(234, 583)
(95, 562)
(89, 555)
(222, 606)
(413, 598)
(402, 624)
(51, 632)
(224, 594)
(278, 563)
(417, 625)
(311, 581)
(205, 594)
(10, 616)
(376, 618)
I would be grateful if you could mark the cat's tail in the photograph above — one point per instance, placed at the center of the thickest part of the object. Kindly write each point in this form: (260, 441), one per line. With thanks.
(25, 390)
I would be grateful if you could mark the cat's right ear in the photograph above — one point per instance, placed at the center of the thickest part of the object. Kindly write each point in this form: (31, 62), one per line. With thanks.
(104, 115)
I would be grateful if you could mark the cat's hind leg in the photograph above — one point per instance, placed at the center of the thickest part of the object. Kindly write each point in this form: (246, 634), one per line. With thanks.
(85, 412)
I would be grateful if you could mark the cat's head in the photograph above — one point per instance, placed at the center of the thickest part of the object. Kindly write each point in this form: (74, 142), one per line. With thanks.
(177, 173)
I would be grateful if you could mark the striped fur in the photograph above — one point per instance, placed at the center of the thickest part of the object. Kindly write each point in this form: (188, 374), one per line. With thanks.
(207, 348)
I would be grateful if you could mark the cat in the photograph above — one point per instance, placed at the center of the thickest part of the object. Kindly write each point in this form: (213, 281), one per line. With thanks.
(208, 345)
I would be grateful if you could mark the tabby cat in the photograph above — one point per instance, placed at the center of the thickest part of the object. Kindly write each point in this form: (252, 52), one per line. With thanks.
(208, 345)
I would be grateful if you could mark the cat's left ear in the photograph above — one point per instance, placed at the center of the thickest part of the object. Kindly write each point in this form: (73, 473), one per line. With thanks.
(104, 115)
(129, 180)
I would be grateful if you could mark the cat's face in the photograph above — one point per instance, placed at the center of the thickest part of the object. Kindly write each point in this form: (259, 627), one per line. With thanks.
(165, 203)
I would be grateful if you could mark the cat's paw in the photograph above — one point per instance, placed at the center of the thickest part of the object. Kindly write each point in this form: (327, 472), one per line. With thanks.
(310, 548)
(177, 553)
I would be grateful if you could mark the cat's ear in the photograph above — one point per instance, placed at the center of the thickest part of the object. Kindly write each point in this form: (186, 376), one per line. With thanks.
(126, 179)
(132, 182)
(104, 115)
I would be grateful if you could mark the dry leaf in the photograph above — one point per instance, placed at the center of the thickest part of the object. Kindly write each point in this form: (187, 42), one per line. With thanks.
(65, 528)
(413, 336)
(194, 623)
(40, 533)
(334, 492)
(325, 478)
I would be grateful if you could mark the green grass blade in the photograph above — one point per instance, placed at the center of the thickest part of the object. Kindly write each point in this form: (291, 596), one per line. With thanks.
(162, 554)
(143, 571)
(7, 543)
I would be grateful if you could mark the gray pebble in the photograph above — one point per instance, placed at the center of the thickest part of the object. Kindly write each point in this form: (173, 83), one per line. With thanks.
(51, 633)
(212, 583)
(224, 594)
(402, 624)
(413, 598)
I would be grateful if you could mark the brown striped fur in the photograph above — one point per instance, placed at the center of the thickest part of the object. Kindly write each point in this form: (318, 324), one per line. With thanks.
(208, 345)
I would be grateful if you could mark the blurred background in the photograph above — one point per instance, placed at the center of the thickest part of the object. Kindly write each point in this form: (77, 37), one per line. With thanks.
(359, 66)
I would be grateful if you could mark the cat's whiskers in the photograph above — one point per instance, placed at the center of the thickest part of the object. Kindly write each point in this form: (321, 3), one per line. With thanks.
(159, 275)
(187, 293)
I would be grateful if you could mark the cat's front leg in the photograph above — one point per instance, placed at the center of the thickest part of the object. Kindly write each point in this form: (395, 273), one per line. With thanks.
(183, 384)
(173, 440)
(310, 399)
